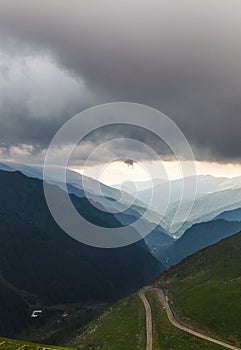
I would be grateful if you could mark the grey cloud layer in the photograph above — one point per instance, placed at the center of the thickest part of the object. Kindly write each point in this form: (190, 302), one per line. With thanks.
(182, 57)
(36, 98)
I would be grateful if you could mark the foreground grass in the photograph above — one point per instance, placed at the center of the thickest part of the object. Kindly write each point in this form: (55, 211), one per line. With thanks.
(168, 337)
(10, 344)
(121, 327)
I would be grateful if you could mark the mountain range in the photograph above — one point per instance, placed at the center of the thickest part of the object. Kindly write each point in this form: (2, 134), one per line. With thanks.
(37, 258)
(214, 195)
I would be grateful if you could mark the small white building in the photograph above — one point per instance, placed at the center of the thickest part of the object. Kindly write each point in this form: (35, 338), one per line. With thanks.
(36, 313)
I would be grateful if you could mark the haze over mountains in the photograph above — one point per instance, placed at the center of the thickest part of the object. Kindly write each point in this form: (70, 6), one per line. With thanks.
(213, 196)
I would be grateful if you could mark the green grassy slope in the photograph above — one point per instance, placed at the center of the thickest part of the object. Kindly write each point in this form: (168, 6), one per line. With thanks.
(205, 293)
(205, 289)
(168, 337)
(121, 327)
(10, 344)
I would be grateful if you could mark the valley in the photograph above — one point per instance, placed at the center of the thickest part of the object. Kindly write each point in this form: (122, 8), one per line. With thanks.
(205, 302)
(199, 273)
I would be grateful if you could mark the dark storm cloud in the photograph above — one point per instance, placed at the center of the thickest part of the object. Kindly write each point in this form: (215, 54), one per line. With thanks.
(36, 98)
(182, 57)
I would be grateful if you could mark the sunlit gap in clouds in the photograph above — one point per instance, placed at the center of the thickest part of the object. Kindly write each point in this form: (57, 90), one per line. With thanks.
(118, 172)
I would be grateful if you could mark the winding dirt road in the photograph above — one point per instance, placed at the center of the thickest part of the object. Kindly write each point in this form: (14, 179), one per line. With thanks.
(148, 319)
(172, 319)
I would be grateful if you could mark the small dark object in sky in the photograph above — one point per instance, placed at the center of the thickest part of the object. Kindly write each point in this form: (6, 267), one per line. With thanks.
(129, 162)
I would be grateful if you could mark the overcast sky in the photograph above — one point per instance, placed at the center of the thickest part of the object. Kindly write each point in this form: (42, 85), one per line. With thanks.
(181, 57)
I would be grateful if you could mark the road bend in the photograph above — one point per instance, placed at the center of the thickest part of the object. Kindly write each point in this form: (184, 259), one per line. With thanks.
(172, 319)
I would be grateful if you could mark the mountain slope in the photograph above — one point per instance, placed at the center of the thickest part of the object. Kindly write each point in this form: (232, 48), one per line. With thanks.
(120, 327)
(205, 184)
(128, 210)
(205, 289)
(208, 206)
(36, 256)
(197, 237)
(230, 215)
(5, 167)
(12, 303)
(214, 195)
